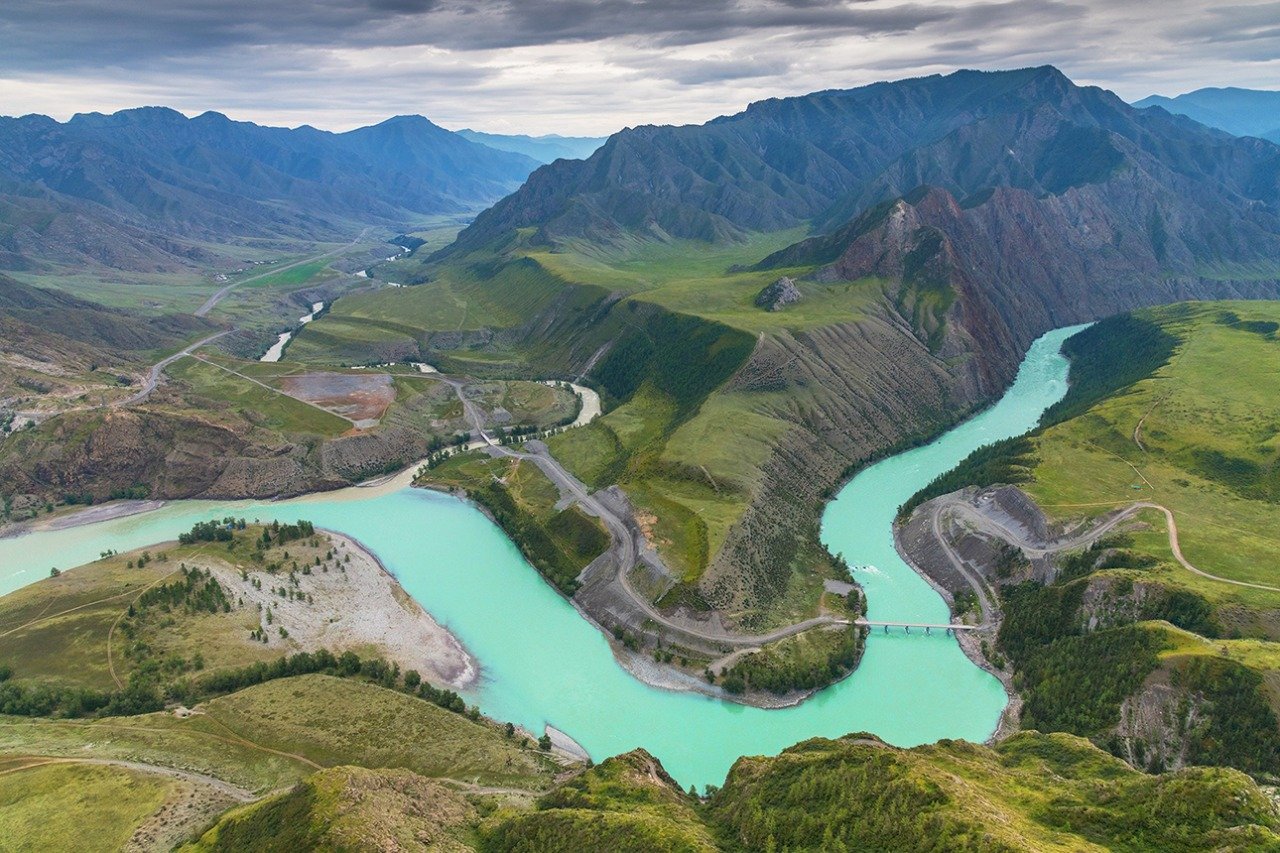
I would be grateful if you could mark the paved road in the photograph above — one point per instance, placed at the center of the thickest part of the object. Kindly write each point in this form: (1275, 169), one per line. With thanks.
(620, 535)
(148, 384)
(153, 375)
(217, 297)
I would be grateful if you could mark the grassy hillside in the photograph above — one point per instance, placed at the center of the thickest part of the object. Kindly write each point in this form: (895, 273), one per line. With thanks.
(662, 329)
(298, 737)
(627, 803)
(1199, 435)
(333, 721)
(1032, 792)
(150, 615)
(349, 808)
(44, 805)
(262, 740)
(248, 428)
(1175, 406)
(559, 543)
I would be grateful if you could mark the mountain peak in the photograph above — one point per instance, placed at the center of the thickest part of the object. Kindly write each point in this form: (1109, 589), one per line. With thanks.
(152, 115)
(410, 121)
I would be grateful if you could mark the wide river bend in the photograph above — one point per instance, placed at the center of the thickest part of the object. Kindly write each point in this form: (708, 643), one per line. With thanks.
(542, 663)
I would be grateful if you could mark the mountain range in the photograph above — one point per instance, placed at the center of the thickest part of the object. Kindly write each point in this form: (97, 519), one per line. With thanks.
(1242, 112)
(974, 212)
(150, 189)
(545, 149)
(826, 157)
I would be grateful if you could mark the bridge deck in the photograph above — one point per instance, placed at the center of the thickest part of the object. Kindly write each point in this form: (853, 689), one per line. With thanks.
(867, 623)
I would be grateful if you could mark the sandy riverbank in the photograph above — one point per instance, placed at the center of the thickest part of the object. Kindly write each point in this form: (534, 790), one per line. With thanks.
(357, 605)
(79, 517)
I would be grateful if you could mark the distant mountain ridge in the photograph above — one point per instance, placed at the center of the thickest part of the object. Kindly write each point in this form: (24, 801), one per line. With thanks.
(1241, 112)
(544, 149)
(141, 189)
(826, 157)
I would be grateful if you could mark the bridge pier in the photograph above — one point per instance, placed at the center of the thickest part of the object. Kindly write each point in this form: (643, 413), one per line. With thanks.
(908, 627)
(926, 629)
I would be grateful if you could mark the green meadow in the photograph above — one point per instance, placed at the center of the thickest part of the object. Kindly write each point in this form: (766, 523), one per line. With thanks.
(1208, 449)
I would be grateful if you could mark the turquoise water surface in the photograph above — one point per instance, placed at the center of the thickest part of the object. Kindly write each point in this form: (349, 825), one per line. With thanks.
(542, 663)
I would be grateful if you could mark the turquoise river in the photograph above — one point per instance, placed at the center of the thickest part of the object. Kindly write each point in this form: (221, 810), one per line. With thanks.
(543, 663)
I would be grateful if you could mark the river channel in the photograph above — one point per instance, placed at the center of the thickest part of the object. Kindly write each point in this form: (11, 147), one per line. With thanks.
(542, 663)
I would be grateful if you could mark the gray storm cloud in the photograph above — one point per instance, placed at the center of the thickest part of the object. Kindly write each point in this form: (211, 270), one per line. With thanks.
(588, 66)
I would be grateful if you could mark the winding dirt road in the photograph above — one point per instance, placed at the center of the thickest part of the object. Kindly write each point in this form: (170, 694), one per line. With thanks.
(28, 762)
(1099, 528)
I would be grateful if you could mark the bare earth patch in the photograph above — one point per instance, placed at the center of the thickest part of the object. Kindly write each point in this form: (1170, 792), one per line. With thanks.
(361, 398)
(353, 605)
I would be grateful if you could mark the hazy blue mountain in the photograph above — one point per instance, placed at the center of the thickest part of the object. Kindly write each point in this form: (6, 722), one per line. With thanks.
(1243, 112)
(544, 149)
(142, 189)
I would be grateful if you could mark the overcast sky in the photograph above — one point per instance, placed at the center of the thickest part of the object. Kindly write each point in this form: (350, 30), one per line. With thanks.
(589, 66)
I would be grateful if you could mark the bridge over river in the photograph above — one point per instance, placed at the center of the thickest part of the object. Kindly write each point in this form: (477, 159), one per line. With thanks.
(925, 626)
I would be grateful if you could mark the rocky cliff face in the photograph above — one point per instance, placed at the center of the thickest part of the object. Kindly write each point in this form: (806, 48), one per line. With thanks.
(779, 295)
(850, 391)
(1016, 265)
(967, 289)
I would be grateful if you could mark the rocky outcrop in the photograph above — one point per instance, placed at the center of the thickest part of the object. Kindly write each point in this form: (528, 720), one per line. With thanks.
(778, 295)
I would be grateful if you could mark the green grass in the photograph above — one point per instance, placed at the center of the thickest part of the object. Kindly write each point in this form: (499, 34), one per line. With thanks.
(693, 277)
(626, 804)
(1218, 394)
(558, 543)
(147, 292)
(198, 743)
(334, 721)
(55, 630)
(456, 299)
(276, 733)
(289, 278)
(46, 807)
(262, 406)
(1031, 792)
(349, 808)
(689, 454)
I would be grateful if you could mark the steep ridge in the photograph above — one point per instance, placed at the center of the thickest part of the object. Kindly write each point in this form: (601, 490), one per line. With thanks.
(828, 155)
(44, 322)
(139, 189)
(972, 212)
